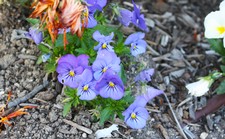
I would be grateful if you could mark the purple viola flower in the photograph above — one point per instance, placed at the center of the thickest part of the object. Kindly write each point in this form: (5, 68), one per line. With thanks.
(35, 34)
(145, 75)
(138, 45)
(86, 89)
(136, 117)
(125, 16)
(105, 60)
(104, 41)
(138, 18)
(94, 5)
(149, 95)
(70, 68)
(91, 20)
(110, 86)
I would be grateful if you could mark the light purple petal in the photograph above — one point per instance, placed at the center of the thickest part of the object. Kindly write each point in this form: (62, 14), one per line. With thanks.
(68, 80)
(97, 47)
(87, 76)
(136, 50)
(83, 60)
(134, 38)
(98, 74)
(86, 95)
(36, 35)
(125, 17)
(97, 35)
(99, 64)
(140, 120)
(109, 38)
(102, 3)
(64, 67)
(151, 93)
(91, 21)
(69, 58)
(139, 101)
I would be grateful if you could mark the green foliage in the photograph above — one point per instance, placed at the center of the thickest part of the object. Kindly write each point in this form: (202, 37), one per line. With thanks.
(222, 67)
(217, 46)
(109, 108)
(43, 48)
(221, 88)
(72, 100)
(33, 21)
(50, 67)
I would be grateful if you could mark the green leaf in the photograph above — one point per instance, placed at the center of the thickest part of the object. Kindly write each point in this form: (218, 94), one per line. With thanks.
(70, 38)
(66, 108)
(50, 67)
(222, 67)
(217, 46)
(33, 21)
(70, 92)
(81, 50)
(39, 61)
(122, 74)
(105, 115)
(43, 48)
(221, 88)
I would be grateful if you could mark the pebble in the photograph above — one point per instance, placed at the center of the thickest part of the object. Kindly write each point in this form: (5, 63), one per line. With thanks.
(7, 60)
(53, 116)
(84, 135)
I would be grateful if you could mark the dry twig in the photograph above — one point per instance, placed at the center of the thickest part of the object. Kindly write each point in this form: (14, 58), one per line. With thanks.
(82, 128)
(28, 96)
(175, 118)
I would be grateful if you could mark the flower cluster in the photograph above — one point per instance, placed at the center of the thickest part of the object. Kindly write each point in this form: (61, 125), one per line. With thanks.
(89, 63)
(100, 78)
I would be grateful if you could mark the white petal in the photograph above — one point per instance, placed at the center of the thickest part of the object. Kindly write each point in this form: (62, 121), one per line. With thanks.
(106, 132)
(222, 5)
(212, 21)
(224, 42)
(198, 88)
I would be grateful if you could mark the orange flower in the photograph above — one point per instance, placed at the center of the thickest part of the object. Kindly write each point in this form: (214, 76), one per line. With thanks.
(46, 11)
(61, 14)
(72, 14)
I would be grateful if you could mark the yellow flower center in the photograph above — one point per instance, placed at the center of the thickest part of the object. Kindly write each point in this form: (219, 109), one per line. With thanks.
(85, 88)
(104, 70)
(111, 84)
(104, 45)
(85, 13)
(221, 29)
(72, 73)
(133, 115)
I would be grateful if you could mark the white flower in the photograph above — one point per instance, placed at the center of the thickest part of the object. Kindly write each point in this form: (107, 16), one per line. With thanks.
(200, 87)
(215, 25)
(222, 5)
(106, 132)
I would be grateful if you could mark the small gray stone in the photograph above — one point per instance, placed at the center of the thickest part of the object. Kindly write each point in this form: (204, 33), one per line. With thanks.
(53, 116)
(7, 60)
(84, 135)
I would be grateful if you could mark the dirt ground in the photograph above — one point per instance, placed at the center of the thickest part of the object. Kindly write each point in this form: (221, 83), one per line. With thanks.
(177, 50)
